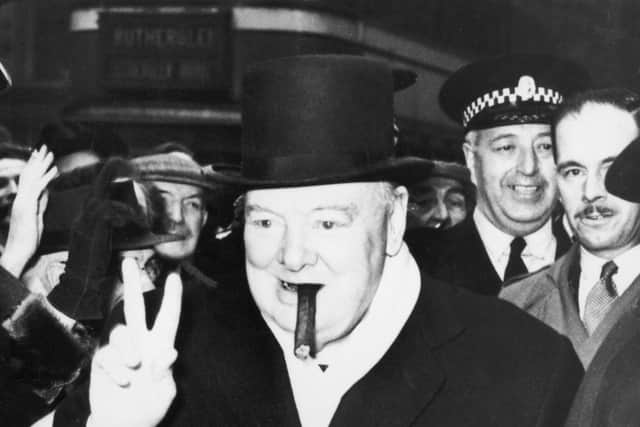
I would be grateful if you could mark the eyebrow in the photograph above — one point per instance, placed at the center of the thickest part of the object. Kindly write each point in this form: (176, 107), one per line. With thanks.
(568, 163)
(185, 197)
(501, 136)
(351, 209)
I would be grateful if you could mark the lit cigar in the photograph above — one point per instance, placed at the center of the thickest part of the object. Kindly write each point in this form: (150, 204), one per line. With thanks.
(305, 336)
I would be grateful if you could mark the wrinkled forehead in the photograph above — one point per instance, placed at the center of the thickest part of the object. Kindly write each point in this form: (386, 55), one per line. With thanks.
(178, 190)
(596, 131)
(436, 183)
(11, 167)
(360, 194)
(528, 131)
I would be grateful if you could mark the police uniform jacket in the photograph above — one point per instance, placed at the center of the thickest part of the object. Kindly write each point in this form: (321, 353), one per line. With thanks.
(458, 255)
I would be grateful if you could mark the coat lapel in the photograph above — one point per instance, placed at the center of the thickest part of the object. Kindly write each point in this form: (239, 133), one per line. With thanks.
(625, 303)
(467, 261)
(403, 383)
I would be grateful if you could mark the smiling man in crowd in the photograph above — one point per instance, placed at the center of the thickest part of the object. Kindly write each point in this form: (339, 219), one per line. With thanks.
(505, 105)
(334, 324)
(584, 293)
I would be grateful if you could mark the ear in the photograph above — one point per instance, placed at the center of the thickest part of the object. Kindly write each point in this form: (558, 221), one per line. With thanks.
(397, 220)
(470, 158)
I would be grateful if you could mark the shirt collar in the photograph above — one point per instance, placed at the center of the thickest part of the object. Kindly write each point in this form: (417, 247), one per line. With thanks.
(498, 243)
(627, 262)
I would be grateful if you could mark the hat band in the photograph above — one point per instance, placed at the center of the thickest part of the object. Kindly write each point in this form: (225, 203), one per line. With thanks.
(509, 95)
(311, 166)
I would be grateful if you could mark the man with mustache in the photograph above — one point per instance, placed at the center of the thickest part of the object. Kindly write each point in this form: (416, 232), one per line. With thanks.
(584, 293)
(505, 105)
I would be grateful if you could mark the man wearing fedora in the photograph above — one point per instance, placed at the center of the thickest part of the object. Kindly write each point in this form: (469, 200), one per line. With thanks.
(584, 293)
(505, 105)
(171, 170)
(334, 323)
(442, 200)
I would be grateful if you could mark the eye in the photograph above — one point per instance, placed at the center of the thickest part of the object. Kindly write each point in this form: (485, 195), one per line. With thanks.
(504, 148)
(262, 223)
(328, 225)
(571, 172)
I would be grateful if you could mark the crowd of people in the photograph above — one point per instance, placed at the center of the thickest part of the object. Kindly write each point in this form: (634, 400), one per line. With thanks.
(348, 285)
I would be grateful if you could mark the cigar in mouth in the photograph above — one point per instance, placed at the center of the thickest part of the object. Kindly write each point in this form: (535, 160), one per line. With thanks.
(305, 335)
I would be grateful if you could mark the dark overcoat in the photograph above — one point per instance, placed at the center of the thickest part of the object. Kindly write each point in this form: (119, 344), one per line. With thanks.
(458, 256)
(610, 392)
(460, 360)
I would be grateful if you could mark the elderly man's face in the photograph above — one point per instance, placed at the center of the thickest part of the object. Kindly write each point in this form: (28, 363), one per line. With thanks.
(437, 202)
(587, 144)
(337, 235)
(186, 213)
(513, 169)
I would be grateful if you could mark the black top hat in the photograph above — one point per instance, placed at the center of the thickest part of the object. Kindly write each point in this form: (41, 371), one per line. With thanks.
(624, 173)
(512, 89)
(320, 119)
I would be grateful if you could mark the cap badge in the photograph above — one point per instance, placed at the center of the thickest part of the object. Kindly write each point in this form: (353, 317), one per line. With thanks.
(526, 88)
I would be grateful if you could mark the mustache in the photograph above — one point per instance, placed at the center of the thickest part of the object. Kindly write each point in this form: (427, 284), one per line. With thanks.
(592, 209)
(179, 228)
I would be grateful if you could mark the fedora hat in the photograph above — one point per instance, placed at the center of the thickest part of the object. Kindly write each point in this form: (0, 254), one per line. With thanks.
(320, 119)
(510, 89)
(177, 167)
(69, 193)
(624, 174)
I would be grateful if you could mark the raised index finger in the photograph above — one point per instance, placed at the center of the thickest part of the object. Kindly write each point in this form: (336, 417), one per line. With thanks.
(134, 311)
(166, 324)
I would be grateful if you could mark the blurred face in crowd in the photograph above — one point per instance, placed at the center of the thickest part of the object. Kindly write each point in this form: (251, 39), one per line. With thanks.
(514, 171)
(587, 143)
(337, 235)
(186, 215)
(10, 170)
(437, 202)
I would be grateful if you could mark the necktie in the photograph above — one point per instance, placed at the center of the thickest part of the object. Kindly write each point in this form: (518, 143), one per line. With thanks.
(515, 266)
(600, 297)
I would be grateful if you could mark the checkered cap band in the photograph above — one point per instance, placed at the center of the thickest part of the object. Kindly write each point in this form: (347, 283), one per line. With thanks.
(508, 95)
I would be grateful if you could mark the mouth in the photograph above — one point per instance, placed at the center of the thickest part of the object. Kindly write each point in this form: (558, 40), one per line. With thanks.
(595, 214)
(525, 191)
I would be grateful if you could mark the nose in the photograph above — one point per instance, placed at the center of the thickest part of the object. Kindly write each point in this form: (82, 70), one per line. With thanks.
(439, 213)
(294, 251)
(528, 162)
(174, 211)
(593, 187)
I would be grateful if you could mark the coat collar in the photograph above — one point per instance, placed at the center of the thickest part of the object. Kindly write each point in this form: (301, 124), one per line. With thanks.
(410, 374)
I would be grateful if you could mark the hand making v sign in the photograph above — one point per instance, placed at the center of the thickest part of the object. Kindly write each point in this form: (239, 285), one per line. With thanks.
(131, 377)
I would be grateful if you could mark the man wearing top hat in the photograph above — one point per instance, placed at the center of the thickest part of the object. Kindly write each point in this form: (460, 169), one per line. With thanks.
(584, 293)
(505, 105)
(334, 324)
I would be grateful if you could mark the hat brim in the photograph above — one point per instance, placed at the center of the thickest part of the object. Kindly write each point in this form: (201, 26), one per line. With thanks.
(624, 174)
(197, 180)
(403, 171)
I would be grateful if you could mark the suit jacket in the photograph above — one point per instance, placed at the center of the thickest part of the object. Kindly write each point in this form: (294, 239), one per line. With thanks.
(458, 361)
(610, 391)
(551, 296)
(458, 255)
